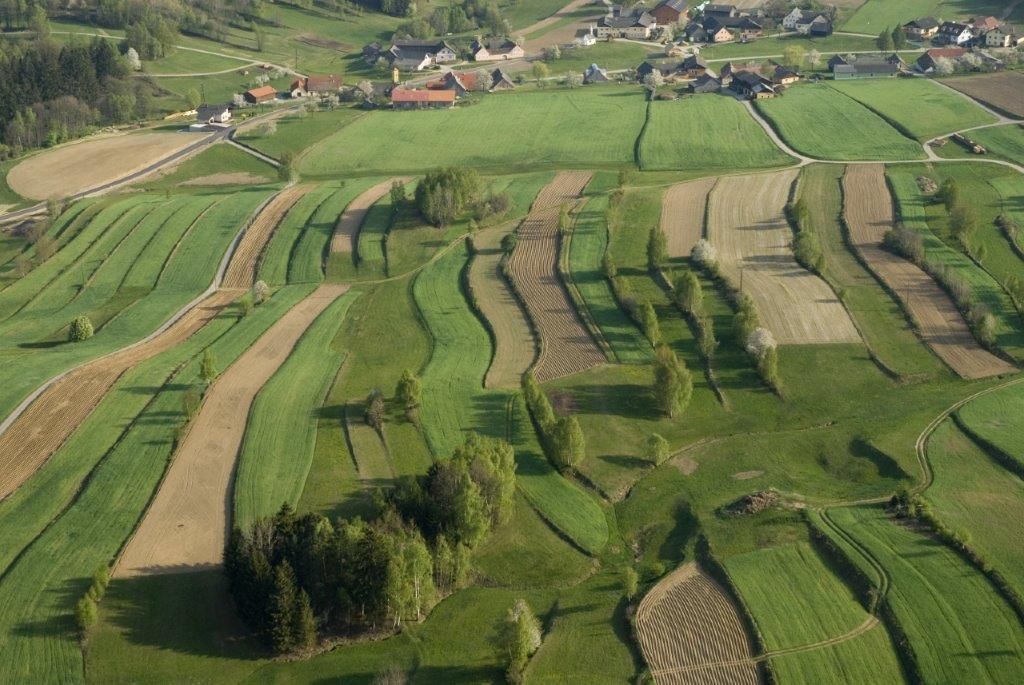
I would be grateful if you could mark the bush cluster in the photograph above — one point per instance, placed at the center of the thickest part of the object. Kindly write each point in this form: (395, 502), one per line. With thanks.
(561, 437)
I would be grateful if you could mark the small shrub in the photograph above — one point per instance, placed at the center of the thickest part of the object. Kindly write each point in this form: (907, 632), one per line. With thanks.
(656, 450)
(375, 410)
(81, 329)
(260, 292)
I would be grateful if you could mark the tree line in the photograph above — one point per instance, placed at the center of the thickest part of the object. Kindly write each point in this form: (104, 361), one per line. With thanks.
(294, 577)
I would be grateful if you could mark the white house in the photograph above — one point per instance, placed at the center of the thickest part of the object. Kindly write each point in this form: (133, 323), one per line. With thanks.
(213, 114)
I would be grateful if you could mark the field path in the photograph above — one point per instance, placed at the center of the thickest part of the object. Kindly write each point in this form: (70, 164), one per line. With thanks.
(747, 224)
(242, 271)
(566, 345)
(690, 632)
(682, 214)
(186, 525)
(346, 233)
(514, 346)
(42, 428)
(869, 214)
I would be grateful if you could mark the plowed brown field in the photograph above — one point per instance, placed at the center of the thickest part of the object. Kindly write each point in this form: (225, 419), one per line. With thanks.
(241, 271)
(44, 426)
(566, 345)
(515, 349)
(346, 233)
(869, 214)
(1003, 90)
(686, 625)
(186, 525)
(682, 214)
(746, 222)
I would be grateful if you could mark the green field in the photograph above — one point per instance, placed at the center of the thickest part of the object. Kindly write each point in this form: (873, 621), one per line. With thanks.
(275, 262)
(809, 117)
(282, 421)
(296, 133)
(875, 15)
(996, 418)
(422, 140)
(918, 107)
(706, 132)
(960, 629)
(1003, 141)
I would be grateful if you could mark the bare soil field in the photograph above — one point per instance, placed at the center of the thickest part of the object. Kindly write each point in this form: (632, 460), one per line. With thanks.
(242, 269)
(1003, 90)
(57, 412)
(514, 346)
(682, 214)
(80, 166)
(869, 214)
(746, 222)
(566, 345)
(237, 178)
(186, 524)
(690, 632)
(346, 233)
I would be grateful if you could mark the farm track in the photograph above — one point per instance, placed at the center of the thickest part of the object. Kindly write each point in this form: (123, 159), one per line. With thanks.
(514, 346)
(746, 222)
(346, 233)
(566, 345)
(690, 632)
(186, 524)
(868, 215)
(241, 271)
(683, 210)
(39, 431)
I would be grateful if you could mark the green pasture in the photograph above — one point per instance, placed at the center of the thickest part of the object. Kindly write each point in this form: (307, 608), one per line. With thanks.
(818, 122)
(467, 136)
(208, 169)
(997, 419)
(1006, 142)
(875, 15)
(776, 45)
(275, 262)
(960, 629)
(191, 62)
(281, 432)
(920, 108)
(298, 132)
(867, 658)
(706, 132)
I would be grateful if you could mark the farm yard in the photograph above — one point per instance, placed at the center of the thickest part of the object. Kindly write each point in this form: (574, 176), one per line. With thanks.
(604, 383)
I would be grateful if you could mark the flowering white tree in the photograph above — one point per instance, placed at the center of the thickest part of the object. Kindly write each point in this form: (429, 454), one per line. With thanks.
(654, 80)
(760, 341)
(944, 66)
(260, 292)
(133, 59)
(704, 253)
(238, 100)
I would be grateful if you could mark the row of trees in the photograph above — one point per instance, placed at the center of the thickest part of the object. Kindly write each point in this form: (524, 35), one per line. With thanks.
(562, 437)
(293, 576)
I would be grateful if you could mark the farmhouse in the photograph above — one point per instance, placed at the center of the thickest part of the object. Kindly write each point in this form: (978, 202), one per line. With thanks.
(982, 25)
(865, 67)
(742, 26)
(752, 86)
(402, 98)
(782, 75)
(262, 94)
(807, 23)
(213, 114)
(372, 53)
(459, 82)
(494, 49)
(501, 81)
(954, 33)
(316, 85)
(595, 74)
(670, 12)
(730, 70)
(417, 55)
(926, 62)
(668, 68)
(715, 10)
(705, 84)
(693, 66)
(636, 23)
(1002, 37)
(921, 29)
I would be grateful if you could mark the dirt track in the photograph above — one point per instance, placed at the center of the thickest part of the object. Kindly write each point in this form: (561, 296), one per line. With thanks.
(346, 233)
(73, 168)
(55, 415)
(682, 214)
(185, 527)
(869, 214)
(515, 348)
(686, 622)
(747, 224)
(566, 345)
(241, 272)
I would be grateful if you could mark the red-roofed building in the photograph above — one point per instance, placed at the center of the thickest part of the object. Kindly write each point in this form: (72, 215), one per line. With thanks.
(316, 85)
(926, 62)
(261, 94)
(402, 98)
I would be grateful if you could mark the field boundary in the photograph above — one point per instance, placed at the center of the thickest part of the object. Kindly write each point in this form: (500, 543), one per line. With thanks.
(565, 273)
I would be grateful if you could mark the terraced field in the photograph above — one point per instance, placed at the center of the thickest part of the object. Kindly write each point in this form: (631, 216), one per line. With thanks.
(245, 261)
(683, 211)
(866, 136)
(690, 632)
(346, 233)
(566, 345)
(754, 247)
(869, 215)
(275, 262)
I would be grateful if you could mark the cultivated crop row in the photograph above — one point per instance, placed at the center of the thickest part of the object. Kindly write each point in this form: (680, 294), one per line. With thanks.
(242, 270)
(683, 211)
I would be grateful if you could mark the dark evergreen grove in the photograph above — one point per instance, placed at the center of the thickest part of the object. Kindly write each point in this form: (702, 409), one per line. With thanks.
(293, 576)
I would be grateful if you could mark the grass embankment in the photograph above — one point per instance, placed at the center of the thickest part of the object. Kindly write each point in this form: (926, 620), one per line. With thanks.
(52, 573)
(706, 132)
(161, 279)
(996, 419)
(281, 433)
(960, 629)
(920, 108)
(885, 327)
(467, 136)
(799, 118)
(917, 213)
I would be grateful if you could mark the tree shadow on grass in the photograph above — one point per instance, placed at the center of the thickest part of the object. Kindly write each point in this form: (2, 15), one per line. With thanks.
(628, 400)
